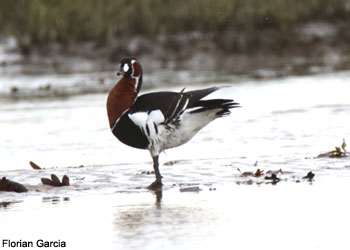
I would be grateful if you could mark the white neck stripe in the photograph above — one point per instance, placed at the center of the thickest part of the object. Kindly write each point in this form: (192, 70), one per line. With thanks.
(116, 121)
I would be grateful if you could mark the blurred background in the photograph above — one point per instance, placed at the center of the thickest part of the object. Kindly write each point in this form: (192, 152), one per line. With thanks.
(259, 39)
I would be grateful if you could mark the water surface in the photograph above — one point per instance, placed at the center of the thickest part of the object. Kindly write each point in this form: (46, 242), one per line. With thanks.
(206, 203)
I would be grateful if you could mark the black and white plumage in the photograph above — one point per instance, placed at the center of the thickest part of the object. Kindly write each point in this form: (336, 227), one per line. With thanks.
(160, 120)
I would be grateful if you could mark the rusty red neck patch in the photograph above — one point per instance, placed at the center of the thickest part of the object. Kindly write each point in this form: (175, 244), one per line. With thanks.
(137, 70)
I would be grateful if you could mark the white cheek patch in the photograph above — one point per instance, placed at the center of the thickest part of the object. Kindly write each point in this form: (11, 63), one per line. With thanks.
(125, 67)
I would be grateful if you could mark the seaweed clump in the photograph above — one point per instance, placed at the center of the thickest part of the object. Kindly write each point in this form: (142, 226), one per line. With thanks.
(338, 152)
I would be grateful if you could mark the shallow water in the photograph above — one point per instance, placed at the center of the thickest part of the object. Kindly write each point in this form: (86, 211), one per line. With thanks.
(206, 202)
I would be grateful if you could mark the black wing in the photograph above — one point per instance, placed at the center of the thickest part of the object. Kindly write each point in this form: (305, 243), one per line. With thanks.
(173, 104)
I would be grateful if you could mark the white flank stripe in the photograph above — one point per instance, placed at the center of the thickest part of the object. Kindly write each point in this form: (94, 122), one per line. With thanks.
(139, 118)
(156, 116)
(147, 122)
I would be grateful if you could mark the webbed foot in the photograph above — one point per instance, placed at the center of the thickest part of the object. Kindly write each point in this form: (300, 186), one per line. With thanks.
(156, 186)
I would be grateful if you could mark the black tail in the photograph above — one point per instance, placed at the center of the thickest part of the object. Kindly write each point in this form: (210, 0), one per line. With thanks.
(223, 104)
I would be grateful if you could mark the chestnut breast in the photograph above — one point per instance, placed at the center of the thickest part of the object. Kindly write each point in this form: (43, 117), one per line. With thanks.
(120, 98)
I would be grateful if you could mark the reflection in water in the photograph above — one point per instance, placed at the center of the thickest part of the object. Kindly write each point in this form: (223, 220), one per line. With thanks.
(159, 196)
(54, 199)
(7, 204)
(149, 225)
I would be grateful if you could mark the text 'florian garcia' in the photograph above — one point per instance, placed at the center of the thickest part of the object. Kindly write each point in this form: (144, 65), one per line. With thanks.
(39, 243)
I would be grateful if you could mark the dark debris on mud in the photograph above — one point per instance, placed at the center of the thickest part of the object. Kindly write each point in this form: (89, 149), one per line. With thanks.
(310, 176)
(12, 186)
(55, 181)
(271, 177)
(258, 176)
(34, 165)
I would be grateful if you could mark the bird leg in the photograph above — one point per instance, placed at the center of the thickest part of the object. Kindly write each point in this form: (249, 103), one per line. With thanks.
(157, 184)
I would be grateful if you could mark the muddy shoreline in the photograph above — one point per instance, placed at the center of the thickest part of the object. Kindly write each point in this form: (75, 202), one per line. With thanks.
(309, 49)
(55, 70)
